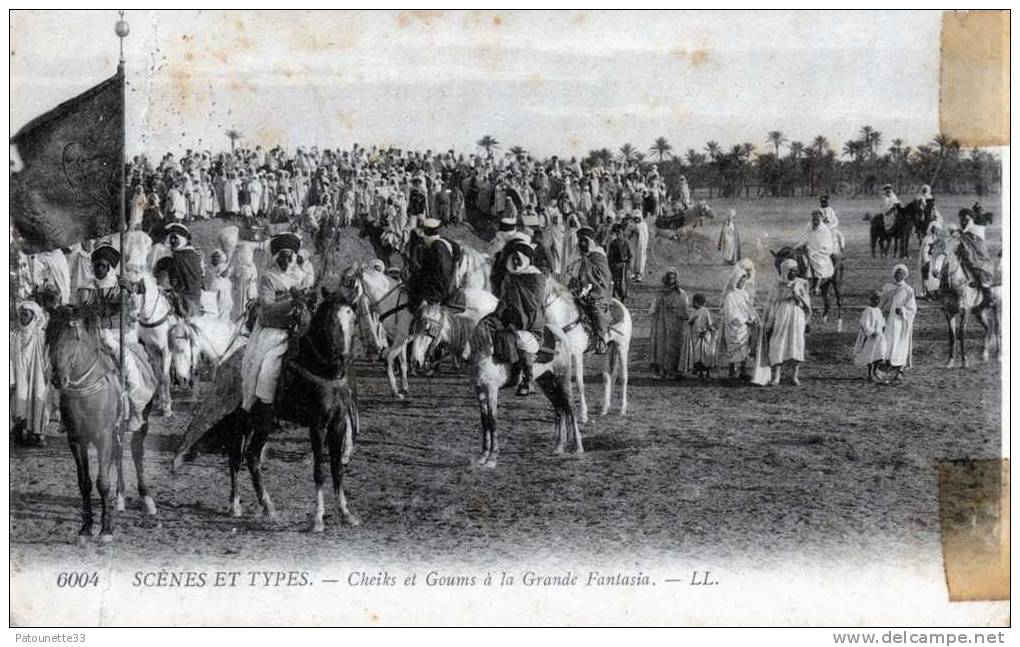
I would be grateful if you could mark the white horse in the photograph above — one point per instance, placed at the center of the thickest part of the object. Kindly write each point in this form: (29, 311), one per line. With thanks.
(474, 270)
(563, 319)
(384, 321)
(155, 314)
(959, 300)
(206, 338)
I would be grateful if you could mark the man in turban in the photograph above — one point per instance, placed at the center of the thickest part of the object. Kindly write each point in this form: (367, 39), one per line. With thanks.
(182, 269)
(522, 295)
(263, 355)
(591, 282)
(431, 269)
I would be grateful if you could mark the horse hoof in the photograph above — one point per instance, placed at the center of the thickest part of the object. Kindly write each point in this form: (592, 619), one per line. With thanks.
(106, 538)
(150, 506)
(235, 511)
(950, 365)
(984, 356)
(490, 464)
(351, 520)
(318, 525)
(623, 411)
(269, 513)
(83, 540)
(965, 363)
(119, 506)
(604, 411)
(558, 451)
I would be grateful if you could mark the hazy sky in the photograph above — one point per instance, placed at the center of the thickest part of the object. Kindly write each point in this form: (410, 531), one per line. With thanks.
(553, 82)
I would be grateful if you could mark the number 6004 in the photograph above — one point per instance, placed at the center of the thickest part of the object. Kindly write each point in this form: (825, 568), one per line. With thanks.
(77, 579)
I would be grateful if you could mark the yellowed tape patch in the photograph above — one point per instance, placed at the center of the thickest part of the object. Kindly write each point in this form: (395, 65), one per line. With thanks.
(974, 514)
(974, 80)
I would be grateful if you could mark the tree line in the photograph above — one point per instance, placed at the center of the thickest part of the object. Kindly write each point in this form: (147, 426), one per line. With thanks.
(790, 168)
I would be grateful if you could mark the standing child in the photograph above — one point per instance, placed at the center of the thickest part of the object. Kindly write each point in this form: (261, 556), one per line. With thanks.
(702, 338)
(870, 348)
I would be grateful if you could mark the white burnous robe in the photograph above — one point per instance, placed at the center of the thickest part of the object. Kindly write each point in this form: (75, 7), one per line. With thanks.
(787, 321)
(870, 345)
(638, 240)
(820, 248)
(737, 319)
(263, 355)
(899, 328)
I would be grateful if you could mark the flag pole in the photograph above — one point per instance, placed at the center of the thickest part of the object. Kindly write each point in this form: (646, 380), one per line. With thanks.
(122, 30)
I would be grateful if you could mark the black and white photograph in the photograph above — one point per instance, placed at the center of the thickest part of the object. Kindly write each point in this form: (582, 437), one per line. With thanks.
(352, 318)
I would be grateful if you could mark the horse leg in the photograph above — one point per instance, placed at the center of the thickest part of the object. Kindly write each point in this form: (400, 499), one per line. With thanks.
(404, 362)
(962, 337)
(578, 359)
(337, 450)
(609, 372)
(117, 456)
(391, 359)
(79, 451)
(556, 389)
(984, 319)
(493, 398)
(138, 457)
(839, 303)
(825, 299)
(262, 415)
(166, 399)
(482, 393)
(622, 355)
(315, 435)
(106, 451)
(238, 441)
(951, 322)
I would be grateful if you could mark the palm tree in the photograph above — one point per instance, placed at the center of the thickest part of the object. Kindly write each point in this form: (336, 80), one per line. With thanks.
(628, 152)
(517, 150)
(777, 139)
(947, 147)
(488, 142)
(694, 158)
(713, 150)
(661, 147)
(747, 150)
(234, 135)
(797, 150)
(820, 144)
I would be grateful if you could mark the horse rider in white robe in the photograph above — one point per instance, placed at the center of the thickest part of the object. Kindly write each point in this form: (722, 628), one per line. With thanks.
(819, 247)
(831, 220)
(106, 292)
(887, 209)
(263, 355)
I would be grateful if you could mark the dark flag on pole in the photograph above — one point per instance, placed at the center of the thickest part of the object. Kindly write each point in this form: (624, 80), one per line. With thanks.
(68, 188)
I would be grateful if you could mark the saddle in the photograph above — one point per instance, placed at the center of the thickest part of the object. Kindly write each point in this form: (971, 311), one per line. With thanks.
(612, 311)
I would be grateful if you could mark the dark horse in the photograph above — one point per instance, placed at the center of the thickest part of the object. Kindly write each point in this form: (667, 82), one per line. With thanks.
(799, 254)
(315, 390)
(90, 399)
(909, 219)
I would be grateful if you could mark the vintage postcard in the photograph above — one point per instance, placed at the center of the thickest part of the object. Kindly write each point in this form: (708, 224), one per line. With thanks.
(376, 318)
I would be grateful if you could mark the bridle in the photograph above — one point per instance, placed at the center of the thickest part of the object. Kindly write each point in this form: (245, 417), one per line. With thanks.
(430, 327)
(80, 387)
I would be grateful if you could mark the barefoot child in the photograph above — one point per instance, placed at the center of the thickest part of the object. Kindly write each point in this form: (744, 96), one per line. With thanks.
(869, 349)
(702, 338)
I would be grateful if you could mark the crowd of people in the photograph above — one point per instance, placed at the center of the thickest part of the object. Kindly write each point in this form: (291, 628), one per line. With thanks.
(588, 226)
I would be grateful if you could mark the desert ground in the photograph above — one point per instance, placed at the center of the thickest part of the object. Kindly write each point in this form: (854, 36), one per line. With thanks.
(834, 469)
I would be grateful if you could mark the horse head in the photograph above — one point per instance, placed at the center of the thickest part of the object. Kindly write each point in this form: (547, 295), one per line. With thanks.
(430, 326)
(182, 351)
(330, 333)
(72, 337)
(798, 254)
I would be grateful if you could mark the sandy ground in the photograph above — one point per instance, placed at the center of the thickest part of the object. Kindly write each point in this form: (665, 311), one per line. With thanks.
(837, 469)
